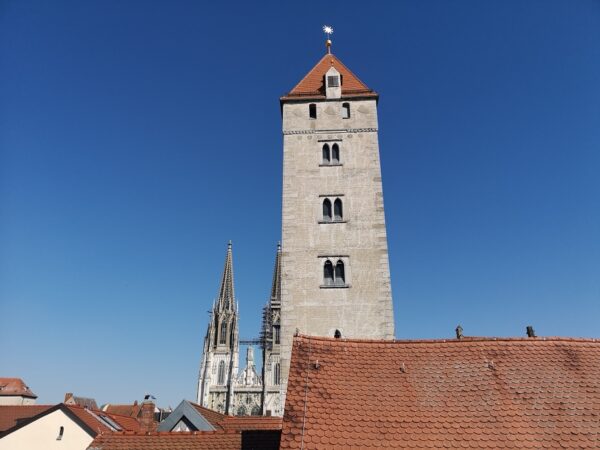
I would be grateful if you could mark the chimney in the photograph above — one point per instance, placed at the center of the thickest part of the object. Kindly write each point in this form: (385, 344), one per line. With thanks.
(147, 423)
(530, 331)
(459, 332)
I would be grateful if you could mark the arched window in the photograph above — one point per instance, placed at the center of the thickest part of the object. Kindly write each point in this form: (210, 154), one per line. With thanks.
(241, 411)
(328, 273)
(221, 379)
(223, 338)
(256, 411)
(277, 374)
(326, 155)
(337, 209)
(335, 154)
(340, 276)
(276, 334)
(327, 216)
(312, 111)
(345, 110)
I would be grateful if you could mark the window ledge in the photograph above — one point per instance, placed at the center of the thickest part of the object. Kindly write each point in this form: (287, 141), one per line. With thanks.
(334, 286)
(332, 221)
(331, 165)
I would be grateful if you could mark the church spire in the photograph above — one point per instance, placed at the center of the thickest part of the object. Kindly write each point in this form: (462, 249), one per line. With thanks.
(276, 286)
(226, 299)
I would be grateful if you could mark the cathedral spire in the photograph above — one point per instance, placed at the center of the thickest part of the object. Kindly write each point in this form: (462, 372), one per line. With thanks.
(276, 286)
(226, 299)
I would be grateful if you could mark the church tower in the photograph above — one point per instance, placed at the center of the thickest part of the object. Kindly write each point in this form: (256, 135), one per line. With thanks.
(335, 277)
(271, 345)
(219, 365)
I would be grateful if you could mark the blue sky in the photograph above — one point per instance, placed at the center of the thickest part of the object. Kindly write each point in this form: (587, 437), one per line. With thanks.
(137, 138)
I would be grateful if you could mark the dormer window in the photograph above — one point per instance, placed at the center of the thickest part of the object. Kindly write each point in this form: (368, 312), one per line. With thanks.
(333, 81)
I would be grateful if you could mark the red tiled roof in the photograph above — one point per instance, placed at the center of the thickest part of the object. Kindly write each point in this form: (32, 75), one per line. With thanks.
(311, 86)
(197, 440)
(239, 423)
(123, 410)
(468, 393)
(90, 418)
(9, 415)
(15, 386)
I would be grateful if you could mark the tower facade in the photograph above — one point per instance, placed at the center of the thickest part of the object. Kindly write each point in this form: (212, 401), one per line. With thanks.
(335, 275)
(271, 345)
(220, 357)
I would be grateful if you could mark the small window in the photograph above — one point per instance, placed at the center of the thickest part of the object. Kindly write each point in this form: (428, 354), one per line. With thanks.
(312, 111)
(335, 154)
(328, 273)
(61, 432)
(327, 210)
(326, 154)
(277, 374)
(333, 81)
(340, 276)
(345, 110)
(221, 379)
(241, 410)
(223, 338)
(337, 210)
(276, 334)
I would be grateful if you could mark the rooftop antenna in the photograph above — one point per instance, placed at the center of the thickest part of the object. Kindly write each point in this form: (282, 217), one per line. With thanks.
(328, 30)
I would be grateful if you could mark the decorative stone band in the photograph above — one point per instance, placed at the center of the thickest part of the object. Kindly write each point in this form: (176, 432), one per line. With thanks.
(349, 130)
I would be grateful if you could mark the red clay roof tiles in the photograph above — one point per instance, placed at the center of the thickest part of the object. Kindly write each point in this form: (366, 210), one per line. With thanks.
(16, 387)
(198, 440)
(10, 415)
(312, 86)
(468, 393)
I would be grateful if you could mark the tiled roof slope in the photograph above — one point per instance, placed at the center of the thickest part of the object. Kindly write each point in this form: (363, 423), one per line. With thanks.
(91, 419)
(312, 86)
(10, 415)
(123, 410)
(468, 393)
(239, 423)
(15, 386)
(198, 440)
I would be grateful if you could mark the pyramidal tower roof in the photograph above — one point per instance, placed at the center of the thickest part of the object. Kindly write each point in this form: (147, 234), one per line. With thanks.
(313, 83)
(226, 299)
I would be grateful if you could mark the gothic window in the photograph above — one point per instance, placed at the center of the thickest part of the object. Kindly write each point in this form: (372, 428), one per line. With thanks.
(345, 110)
(327, 216)
(326, 154)
(328, 273)
(221, 379)
(256, 411)
(340, 276)
(241, 411)
(276, 334)
(223, 338)
(337, 210)
(335, 154)
(277, 374)
(312, 111)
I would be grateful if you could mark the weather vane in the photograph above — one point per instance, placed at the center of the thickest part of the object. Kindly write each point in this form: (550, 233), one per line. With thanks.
(328, 30)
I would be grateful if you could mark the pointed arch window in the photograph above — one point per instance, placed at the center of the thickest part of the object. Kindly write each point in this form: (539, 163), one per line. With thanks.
(312, 111)
(277, 374)
(340, 274)
(345, 110)
(326, 154)
(221, 377)
(328, 273)
(327, 216)
(276, 334)
(338, 213)
(335, 154)
(223, 337)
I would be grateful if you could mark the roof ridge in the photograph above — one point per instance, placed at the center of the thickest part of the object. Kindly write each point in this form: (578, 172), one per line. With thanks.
(447, 340)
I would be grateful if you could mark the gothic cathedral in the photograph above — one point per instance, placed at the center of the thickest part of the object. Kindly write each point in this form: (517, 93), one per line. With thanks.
(331, 274)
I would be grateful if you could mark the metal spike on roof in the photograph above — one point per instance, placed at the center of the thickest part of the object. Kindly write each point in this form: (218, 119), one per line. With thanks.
(226, 299)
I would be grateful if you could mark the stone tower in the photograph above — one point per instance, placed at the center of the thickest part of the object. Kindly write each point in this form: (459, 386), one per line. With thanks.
(219, 365)
(334, 260)
(271, 343)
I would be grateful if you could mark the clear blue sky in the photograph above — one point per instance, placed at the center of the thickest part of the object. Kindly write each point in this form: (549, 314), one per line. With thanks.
(137, 138)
